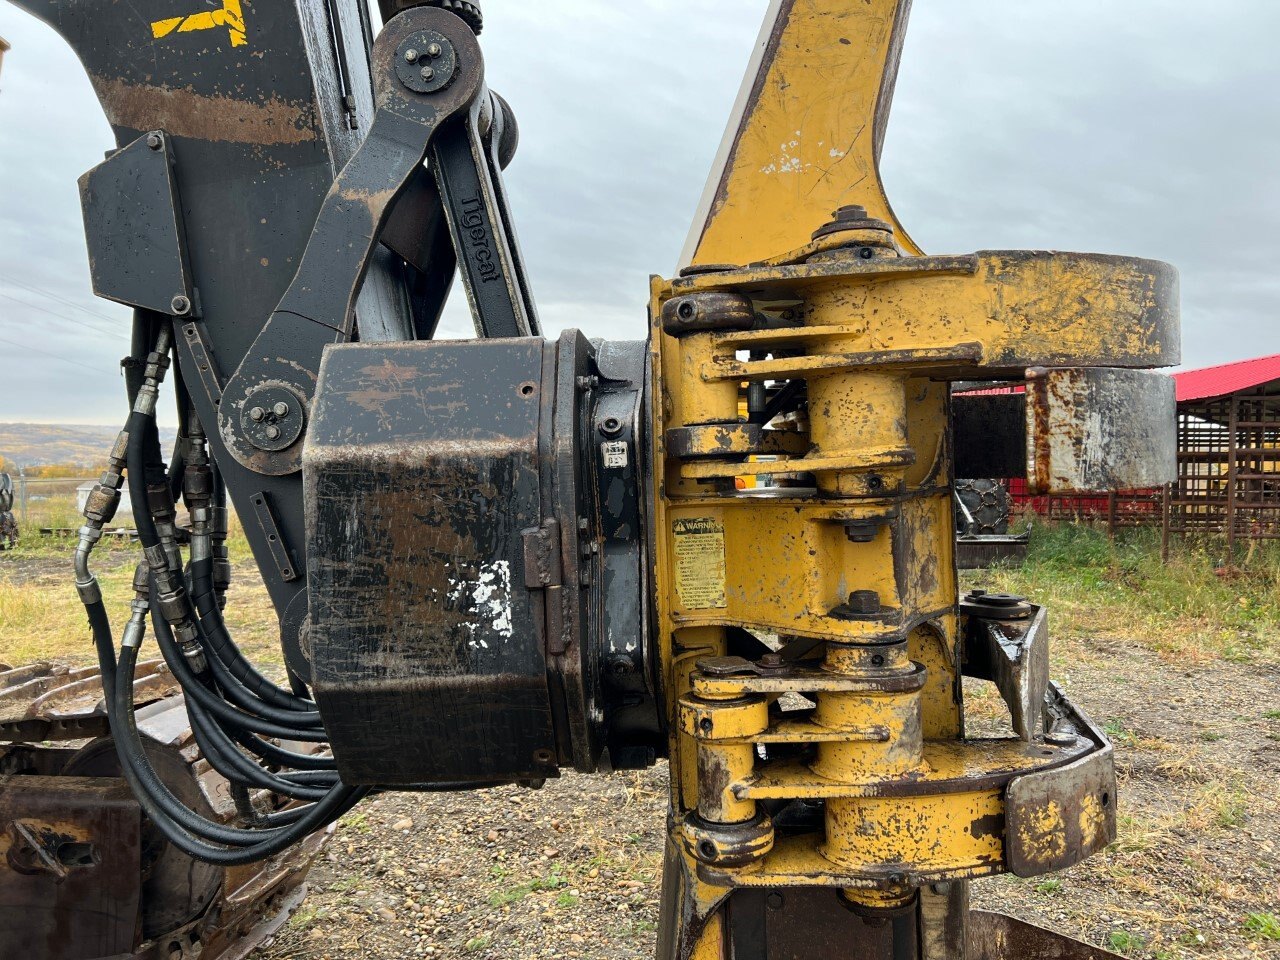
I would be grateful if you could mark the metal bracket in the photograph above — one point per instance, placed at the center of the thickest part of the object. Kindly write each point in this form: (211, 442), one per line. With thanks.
(133, 228)
(275, 540)
(1058, 817)
(1013, 653)
(544, 570)
(193, 345)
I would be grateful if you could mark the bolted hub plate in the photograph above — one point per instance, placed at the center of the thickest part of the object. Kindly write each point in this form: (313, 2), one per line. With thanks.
(426, 62)
(272, 417)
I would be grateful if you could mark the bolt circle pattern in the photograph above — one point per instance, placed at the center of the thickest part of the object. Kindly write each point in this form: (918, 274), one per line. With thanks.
(264, 426)
(421, 72)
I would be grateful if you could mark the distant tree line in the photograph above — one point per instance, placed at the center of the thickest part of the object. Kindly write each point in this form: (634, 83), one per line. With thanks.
(51, 471)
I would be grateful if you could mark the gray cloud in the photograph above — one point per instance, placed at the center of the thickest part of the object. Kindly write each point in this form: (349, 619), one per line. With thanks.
(1144, 128)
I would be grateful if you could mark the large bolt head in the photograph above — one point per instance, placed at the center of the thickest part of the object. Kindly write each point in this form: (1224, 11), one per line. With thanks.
(864, 601)
(257, 414)
(281, 409)
(853, 211)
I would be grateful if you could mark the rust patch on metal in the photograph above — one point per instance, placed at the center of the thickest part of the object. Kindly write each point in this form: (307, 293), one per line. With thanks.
(79, 873)
(375, 200)
(993, 936)
(185, 113)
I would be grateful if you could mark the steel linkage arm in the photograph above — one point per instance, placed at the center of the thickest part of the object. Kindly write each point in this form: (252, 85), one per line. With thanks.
(221, 209)
(427, 70)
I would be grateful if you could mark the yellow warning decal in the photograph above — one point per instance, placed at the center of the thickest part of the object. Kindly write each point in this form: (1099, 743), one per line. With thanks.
(699, 552)
(230, 16)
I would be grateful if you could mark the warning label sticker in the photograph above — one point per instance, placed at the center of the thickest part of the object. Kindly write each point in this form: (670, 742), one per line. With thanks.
(699, 550)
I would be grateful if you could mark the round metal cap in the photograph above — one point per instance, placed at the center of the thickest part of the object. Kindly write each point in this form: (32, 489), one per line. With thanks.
(421, 72)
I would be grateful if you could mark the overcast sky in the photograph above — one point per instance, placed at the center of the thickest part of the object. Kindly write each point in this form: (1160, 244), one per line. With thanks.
(1146, 127)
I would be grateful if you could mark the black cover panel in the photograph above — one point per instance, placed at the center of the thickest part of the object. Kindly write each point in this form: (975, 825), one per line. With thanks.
(421, 474)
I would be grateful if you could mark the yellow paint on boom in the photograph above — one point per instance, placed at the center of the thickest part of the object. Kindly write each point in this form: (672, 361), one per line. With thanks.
(230, 16)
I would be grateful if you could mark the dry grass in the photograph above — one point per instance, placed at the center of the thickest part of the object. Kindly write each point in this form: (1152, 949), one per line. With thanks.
(40, 613)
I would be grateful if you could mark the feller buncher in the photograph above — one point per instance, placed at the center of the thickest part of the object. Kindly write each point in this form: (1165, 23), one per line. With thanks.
(728, 546)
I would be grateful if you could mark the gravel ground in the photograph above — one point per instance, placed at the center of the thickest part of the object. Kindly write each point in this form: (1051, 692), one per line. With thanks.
(572, 870)
(567, 871)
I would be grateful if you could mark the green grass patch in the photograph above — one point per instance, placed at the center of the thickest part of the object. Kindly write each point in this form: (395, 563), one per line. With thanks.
(552, 881)
(1122, 941)
(1193, 607)
(41, 617)
(1263, 925)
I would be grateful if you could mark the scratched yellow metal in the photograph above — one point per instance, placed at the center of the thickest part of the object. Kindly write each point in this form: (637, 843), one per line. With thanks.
(807, 133)
(862, 560)
(724, 721)
(1086, 309)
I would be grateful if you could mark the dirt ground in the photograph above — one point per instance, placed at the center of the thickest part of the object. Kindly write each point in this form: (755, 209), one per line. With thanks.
(572, 870)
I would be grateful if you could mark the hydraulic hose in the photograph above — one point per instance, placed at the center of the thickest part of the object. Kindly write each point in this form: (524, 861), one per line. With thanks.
(196, 661)
(236, 767)
(168, 814)
(195, 689)
(233, 672)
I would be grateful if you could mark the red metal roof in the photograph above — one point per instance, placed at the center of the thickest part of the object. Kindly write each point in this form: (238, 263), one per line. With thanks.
(1199, 384)
(1226, 378)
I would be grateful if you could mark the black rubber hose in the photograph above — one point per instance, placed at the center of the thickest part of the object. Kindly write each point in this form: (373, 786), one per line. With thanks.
(161, 806)
(236, 767)
(210, 614)
(173, 819)
(224, 646)
(177, 465)
(178, 461)
(100, 627)
(224, 740)
(235, 692)
(262, 696)
(278, 755)
(153, 457)
(135, 766)
(136, 472)
(225, 713)
(244, 698)
(143, 434)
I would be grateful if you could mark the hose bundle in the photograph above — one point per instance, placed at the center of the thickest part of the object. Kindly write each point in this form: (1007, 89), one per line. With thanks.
(240, 719)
